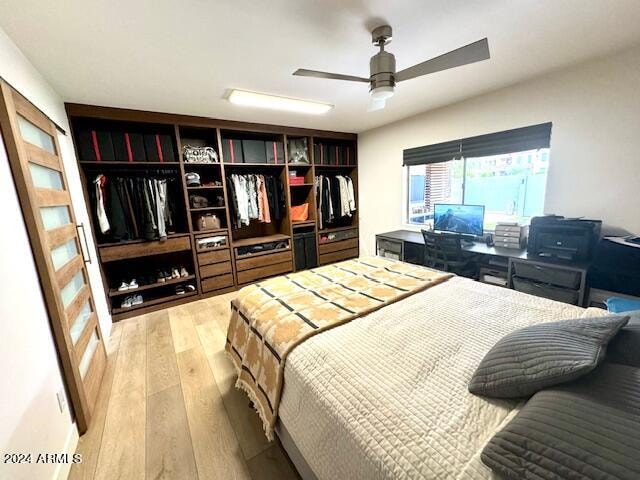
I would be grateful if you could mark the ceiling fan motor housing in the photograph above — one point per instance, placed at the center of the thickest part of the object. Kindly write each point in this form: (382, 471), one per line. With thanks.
(383, 68)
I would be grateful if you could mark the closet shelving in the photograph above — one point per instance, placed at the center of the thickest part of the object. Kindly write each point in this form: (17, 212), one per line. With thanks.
(226, 258)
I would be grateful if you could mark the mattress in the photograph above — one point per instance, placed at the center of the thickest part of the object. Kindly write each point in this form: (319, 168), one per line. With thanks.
(385, 396)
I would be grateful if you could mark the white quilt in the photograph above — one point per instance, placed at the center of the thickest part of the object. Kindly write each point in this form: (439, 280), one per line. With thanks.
(385, 396)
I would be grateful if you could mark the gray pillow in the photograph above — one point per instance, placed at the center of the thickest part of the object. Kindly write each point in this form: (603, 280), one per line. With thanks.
(543, 355)
(589, 429)
(624, 348)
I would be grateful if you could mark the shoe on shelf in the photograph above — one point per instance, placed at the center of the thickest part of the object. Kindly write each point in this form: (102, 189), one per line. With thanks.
(133, 284)
(183, 272)
(126, 303)
(167, 275)
(180, 290)
(190, 288)
(123, 286)
(136, 300)
(175, 273)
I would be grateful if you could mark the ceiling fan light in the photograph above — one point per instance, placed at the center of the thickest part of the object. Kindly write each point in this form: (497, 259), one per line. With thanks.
(382, 93)
(262, 100)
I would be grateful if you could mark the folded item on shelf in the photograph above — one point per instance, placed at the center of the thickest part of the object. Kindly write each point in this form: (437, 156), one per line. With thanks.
(211, 242)
(193, 154)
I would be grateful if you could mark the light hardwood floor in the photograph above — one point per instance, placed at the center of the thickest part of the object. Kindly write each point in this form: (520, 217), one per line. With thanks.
(168, 408)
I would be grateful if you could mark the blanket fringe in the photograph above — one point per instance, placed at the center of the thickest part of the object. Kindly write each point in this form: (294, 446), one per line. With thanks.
(242, 385)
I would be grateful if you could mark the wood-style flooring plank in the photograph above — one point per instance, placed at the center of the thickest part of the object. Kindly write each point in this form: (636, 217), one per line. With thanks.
(122, 454)
(271, 464)
(216, 449)
(162, 367)
(89, 443)
(169, 451)
(182, 329)
(244, 419)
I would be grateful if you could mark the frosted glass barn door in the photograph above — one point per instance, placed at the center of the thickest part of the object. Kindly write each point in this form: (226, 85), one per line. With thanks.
(32, 148)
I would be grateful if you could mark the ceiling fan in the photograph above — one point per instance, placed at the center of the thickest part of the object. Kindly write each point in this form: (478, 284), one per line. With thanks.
(382, 66)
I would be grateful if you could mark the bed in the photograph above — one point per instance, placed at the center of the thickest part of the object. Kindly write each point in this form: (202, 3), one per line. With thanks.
(385, 395)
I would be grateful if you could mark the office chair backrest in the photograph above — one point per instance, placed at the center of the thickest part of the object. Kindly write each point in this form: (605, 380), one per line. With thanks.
(442, 250)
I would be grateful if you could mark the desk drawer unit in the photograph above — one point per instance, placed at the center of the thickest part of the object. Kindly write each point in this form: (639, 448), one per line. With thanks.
(269, 267)
(547, 274)
(214, 263)
(544, 290)
(389, 249)
(338, 246)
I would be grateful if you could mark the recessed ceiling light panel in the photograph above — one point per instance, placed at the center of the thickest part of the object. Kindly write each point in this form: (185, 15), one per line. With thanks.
(274, 102)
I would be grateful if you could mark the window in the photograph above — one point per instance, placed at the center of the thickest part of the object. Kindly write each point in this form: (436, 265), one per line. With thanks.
(510, 186)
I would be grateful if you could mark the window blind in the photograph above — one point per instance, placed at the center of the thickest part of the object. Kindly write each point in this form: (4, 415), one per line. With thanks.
(440, 152)
(509, 141)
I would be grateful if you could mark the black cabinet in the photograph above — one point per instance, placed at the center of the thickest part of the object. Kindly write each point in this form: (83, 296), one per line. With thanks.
(304, 246)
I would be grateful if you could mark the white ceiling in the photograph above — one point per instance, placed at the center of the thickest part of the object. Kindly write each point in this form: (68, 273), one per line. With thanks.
(182, 56)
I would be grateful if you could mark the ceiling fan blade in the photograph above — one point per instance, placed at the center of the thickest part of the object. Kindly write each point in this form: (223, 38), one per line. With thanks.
(302, 72)
(376, 104)
(474, 52)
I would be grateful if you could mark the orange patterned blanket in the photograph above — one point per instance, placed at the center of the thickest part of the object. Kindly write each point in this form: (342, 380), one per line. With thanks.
(270, 318)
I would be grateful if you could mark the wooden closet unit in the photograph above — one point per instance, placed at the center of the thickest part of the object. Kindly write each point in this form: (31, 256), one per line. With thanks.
(149, 145)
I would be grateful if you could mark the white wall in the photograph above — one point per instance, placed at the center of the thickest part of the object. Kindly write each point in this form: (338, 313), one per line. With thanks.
(30, 419)
(595, 143)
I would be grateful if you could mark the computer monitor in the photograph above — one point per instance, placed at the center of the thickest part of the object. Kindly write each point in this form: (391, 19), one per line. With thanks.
(456, 218)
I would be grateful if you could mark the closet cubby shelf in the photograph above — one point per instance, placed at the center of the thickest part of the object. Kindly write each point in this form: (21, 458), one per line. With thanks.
(254, 165)
(337, 229)
(301, 185)
(210, 187)
(113, 292)
(153, 301)
(307, 223)
(139, 240)
(128, 164)
(263, 239)
(204, 209)
(336, 167)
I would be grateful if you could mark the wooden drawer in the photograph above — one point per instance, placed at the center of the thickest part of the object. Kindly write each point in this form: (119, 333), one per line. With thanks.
(215, 269)
(215, 256)
(336, 246)
(216, 283)
(252, 275)
(224, 245)
(263, 260)
(338, 256)
(144, 249)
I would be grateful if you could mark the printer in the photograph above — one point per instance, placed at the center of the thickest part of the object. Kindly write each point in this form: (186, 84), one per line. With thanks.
(571, 239)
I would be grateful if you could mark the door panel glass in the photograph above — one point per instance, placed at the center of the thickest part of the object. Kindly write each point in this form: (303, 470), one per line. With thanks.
(54, 217)
(63, 253)
(88, 354)
(79, 323)
(36, 136)
(71, 289)
(44, 177)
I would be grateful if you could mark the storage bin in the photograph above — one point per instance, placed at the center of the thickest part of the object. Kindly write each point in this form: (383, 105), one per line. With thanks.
(547, 274)
(547, 291)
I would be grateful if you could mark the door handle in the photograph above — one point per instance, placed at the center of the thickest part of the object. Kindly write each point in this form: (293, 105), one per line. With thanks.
(85, 246)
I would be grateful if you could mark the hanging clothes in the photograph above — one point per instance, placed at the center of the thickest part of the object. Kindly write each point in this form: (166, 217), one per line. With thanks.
(255, 198)
(335, 199)
(101, 213)
(129, 208)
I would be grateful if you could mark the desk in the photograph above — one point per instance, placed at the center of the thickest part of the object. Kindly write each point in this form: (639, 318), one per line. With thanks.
(547, 277)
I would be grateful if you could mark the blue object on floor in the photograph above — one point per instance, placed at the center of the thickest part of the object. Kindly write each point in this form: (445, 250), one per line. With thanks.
(619, 304)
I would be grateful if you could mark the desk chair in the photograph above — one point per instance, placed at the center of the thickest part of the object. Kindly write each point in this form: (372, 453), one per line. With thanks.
(444, 252)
